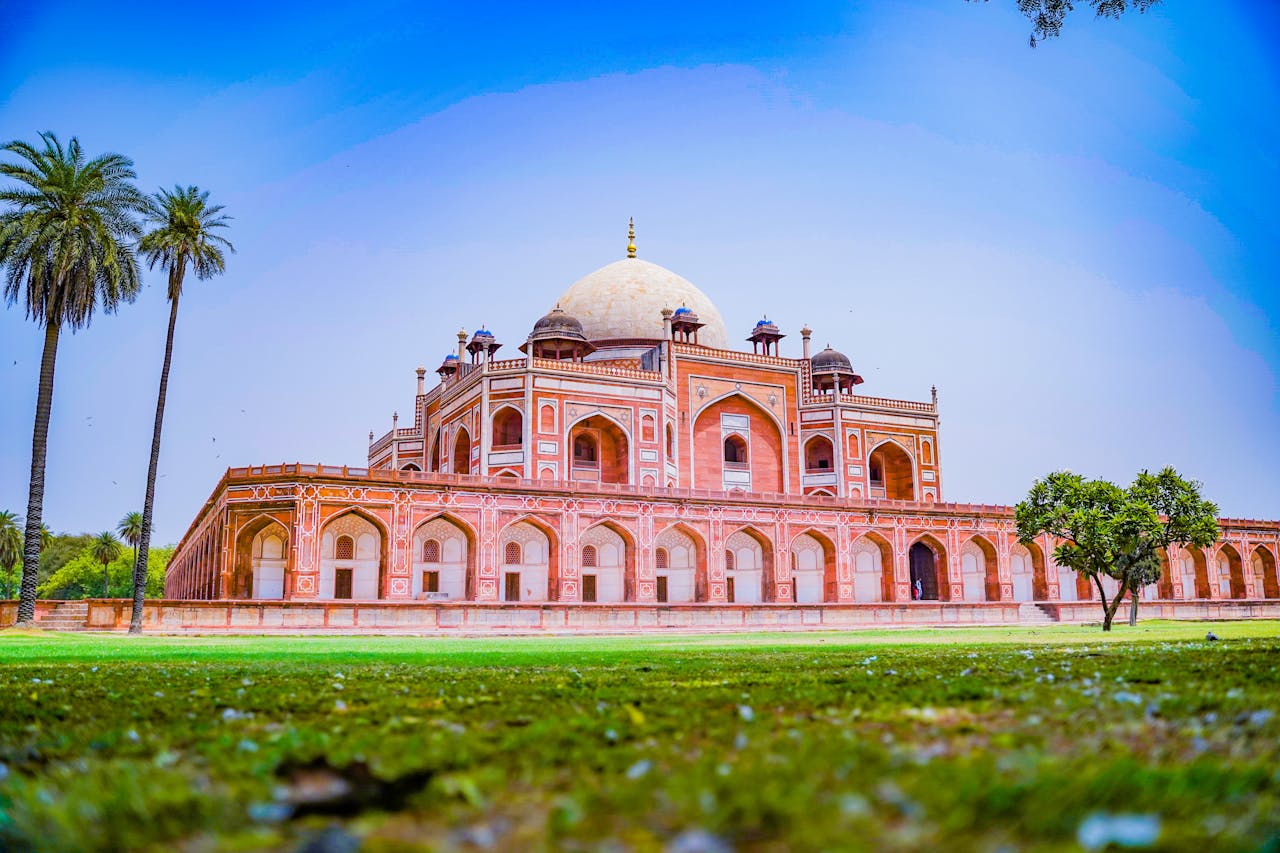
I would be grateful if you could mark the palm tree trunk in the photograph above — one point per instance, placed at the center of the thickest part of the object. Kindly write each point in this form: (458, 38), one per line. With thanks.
(106, 582)
(35, 498)
(144, 543)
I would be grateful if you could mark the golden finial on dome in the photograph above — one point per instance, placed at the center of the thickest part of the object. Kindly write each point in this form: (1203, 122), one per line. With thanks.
(631, 237)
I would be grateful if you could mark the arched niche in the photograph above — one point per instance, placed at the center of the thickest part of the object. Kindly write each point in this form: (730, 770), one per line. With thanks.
(1265, 582)
(508, 428)
(891, 472)
(599, 451)
(529, 567)
(356, 571)
(443, 560)
(461, 459)
(978, 570)
(1230, 572)
(819, 455)
(260, 566)
(609, 575)
(680, 556)
(813, 568)
(750, 580)
(737, 415)
(873, 569)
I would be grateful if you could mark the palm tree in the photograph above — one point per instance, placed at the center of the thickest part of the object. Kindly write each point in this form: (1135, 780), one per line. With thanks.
(106, 549)
(130, 530)
(10, 548)
(66, 232)
(184, 234)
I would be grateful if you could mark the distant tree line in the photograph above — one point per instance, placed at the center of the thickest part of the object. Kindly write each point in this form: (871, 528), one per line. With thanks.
(1047, 16)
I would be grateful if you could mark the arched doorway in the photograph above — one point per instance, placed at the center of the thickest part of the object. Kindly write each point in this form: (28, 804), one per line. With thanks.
(1230, 572)
(599, 451)
(462, 452)
(892, 473)
(873, 569)
(443, 561)
(680, 566)
(1265, 582)
(928, 560)
(813, 569)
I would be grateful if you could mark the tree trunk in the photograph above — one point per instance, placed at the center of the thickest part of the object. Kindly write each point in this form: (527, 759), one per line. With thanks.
(1133, 608)
(1109, 610)
(144, 542)
(35, 498)
(106, 582)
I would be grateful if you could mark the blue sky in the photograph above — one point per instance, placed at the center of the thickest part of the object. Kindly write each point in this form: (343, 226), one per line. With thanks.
(1075, 242)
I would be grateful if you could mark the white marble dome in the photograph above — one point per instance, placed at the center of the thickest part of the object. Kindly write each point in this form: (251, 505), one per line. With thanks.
(625, 300)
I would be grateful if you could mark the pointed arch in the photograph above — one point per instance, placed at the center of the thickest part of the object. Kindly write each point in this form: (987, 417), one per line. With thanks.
(1265, 582)
(979, 571)
(434, 464)
(928, 562)
(537, 571)
(892, 471)
(599, 449)
(1039, 579)
(366, 573)
(817, 582)
(819, 454)
(253, 574)
(1230, 571)
(508, 427)
(1195, 573)
(873, 568)
(736, 414)
(686, 553)
(457, 570)
(625, 581)
(460, 458)
(753, 566)
(1164, 586)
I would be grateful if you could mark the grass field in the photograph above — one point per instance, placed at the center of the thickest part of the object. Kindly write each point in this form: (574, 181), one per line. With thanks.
(986, 739)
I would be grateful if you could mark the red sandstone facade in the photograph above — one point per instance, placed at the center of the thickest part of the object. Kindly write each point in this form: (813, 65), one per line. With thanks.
(630, 456)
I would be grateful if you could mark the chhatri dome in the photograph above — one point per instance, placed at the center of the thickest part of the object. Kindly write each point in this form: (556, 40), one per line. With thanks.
(626, 298)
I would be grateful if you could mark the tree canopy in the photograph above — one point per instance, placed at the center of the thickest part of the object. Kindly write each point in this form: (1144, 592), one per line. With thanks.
(1047, 16)
(1109, 532)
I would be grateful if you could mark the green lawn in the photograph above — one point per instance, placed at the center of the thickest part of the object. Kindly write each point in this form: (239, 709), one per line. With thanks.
(984, 739)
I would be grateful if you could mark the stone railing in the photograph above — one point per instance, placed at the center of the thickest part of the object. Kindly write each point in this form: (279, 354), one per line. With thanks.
(581, 489)
(735, 355)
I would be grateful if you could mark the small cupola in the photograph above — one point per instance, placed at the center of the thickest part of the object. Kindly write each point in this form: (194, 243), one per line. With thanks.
(833, 372)
(482, 344)
(765, 336)
(558, 335)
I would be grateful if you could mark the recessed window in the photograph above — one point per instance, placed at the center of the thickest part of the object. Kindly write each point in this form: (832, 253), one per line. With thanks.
(344, 548)
(584, 450)
(589, 557)
(735, 450)
(511, 554)
(431, 551)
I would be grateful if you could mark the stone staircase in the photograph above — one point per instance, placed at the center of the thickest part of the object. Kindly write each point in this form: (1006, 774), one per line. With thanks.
(67, 616)
(1034, 614)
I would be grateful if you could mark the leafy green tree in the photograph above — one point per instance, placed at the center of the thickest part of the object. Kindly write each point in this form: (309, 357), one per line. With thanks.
(1047, 16)
(81, 575)
(106, 549)
(1109, 532)
(130, 530)
(1186, 519)
(10, 550)
(66, 244)
(184, 234)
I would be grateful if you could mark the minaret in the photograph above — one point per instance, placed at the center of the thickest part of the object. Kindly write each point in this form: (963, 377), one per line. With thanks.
(804, 336)
(462, 343)
(631, 237)
(422, 380)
